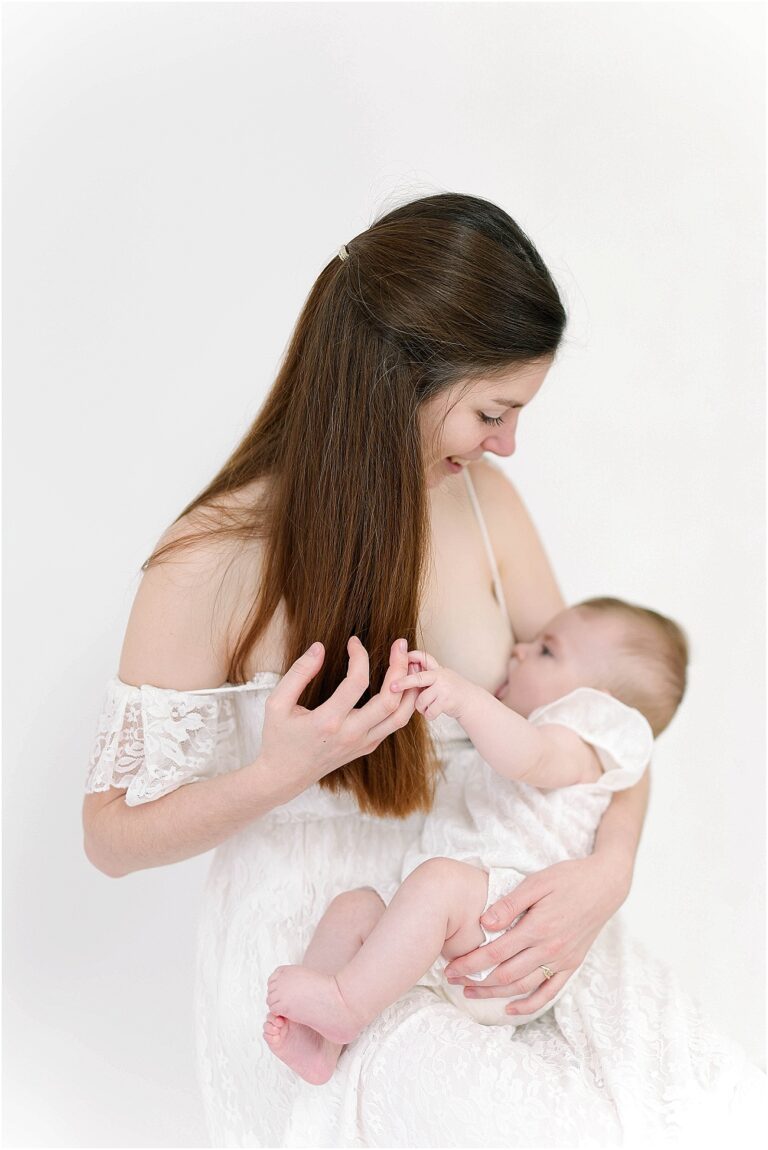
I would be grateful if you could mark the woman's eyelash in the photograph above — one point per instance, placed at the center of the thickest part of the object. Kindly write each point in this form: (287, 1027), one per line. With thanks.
(494, 419)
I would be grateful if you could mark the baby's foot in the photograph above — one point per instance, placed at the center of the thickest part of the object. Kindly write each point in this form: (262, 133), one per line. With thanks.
(305, 995)
(313, 1057)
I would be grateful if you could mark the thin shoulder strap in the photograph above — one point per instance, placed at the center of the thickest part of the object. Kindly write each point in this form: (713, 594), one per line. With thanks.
(489, 549)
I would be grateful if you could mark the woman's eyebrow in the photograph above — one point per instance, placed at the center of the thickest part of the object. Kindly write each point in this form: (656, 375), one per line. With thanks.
(508, 402)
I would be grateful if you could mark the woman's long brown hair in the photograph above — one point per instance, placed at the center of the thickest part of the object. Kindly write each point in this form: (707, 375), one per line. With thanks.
(438, 291)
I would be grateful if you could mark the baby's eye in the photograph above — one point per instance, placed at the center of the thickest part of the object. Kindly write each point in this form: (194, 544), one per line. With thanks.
(545, 649)
(494, 419)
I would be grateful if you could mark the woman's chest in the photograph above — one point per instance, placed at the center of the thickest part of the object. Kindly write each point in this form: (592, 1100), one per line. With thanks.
(461, 623)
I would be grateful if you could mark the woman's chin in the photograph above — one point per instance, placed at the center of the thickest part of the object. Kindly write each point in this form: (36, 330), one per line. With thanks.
(438, 473)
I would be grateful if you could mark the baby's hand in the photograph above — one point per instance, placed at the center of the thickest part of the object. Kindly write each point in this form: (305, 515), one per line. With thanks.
(442, 691)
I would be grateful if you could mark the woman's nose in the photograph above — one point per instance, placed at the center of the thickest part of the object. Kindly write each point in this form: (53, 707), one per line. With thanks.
(501, 443)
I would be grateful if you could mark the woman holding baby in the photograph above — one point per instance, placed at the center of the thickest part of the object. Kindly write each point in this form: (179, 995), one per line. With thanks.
(355, 520)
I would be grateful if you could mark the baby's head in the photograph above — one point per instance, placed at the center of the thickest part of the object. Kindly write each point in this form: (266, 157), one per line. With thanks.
(632, 653)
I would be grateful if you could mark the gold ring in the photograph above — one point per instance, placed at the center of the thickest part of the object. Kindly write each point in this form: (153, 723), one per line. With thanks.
(547, 972)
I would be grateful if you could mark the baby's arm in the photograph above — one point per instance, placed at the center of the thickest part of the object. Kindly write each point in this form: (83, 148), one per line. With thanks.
(548, 756)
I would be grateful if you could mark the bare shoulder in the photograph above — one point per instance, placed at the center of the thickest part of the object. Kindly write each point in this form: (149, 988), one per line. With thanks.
(502, 506)
(192, 600)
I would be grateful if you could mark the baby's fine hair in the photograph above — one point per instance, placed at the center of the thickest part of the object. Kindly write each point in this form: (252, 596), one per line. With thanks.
(652, 675)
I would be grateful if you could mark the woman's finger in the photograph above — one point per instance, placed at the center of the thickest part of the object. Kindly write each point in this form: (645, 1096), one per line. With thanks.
(510, 971)
(489, 954)
(288, 691)
(338, 705)
(395, 720)
(506, 910)
(508, 980)
(540, 997)
(383, 705)
(501, 949)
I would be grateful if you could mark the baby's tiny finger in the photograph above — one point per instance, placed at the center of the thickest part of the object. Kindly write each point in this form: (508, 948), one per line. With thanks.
(419, 679)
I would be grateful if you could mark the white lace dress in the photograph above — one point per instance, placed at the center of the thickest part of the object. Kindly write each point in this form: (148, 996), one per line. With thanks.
(624, 1057)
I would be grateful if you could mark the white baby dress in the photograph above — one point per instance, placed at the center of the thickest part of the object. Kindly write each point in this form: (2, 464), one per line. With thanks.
(512, 829)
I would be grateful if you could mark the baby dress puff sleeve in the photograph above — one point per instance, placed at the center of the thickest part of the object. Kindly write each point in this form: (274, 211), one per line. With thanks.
(152, 740)
(620, 735)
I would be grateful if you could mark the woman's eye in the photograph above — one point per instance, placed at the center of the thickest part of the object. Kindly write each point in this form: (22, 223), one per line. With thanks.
(494, 419)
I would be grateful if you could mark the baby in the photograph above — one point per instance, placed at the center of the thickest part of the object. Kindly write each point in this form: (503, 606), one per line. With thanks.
(573, 723)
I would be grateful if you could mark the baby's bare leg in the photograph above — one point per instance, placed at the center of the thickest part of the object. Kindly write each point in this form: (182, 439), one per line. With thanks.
(346, 924)
(436, 910)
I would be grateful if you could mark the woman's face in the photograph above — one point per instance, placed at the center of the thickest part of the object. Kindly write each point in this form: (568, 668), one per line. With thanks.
(483, 419)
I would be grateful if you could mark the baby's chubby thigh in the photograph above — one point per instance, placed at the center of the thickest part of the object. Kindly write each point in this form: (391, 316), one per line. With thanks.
(462, 890)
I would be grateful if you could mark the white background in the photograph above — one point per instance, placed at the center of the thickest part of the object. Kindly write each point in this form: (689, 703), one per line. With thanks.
(175, 178)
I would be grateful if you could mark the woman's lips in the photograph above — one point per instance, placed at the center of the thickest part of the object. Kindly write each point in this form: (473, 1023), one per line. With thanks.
(455, 463)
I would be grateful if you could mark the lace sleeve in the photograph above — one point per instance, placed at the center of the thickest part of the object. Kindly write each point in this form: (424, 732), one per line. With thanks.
(151, 740)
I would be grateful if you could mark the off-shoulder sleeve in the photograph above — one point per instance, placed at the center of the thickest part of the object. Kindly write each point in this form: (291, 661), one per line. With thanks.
(620, 735)
(152, 740)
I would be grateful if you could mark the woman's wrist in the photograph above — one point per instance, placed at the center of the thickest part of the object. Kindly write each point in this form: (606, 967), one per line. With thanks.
(271, 784)
(617, 864)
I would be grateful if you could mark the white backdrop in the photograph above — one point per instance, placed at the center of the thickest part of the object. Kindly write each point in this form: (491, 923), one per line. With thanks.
(175, 178)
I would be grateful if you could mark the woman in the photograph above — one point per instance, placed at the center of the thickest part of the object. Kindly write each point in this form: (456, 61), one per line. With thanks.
(358, 511)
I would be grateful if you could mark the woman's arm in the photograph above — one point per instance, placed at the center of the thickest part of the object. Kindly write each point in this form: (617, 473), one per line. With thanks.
(618, 835)
(173, 640)
(299, 747)
(196, 817)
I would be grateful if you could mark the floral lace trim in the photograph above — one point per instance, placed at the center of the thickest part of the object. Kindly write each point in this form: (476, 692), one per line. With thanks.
(151, 740)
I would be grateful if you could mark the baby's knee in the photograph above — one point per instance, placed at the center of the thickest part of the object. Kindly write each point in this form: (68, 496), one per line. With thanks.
(446, 872)
(363, 904)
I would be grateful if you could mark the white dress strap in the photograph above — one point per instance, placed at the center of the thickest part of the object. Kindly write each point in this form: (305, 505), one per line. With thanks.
(489, 549)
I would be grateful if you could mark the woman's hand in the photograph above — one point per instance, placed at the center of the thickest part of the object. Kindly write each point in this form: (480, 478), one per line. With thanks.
(304, 745)
(563, 909)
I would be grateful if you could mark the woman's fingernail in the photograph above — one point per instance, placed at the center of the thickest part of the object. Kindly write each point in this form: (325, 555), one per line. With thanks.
(469, 992)
(403, 645)
(314, 649)
(490, 918)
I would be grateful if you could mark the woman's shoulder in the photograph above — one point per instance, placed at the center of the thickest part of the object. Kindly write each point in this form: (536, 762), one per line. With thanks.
(489, 478)
(193, 599)
(503, 509)
(214, 538)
